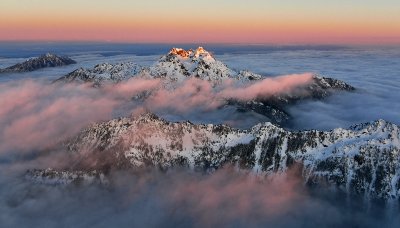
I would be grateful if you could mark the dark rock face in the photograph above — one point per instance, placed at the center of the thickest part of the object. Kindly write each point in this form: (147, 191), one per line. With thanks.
(44, 61)
(50, 176)
(364, 159)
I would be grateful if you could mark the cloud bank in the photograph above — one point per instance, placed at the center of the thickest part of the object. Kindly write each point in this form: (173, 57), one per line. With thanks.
(183, 199)
(37, 115)
(374, 71)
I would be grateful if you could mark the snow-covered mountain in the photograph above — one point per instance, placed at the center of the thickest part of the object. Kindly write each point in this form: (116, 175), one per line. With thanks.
(179, 64)
(175, 66)
(363, 159)
(47, 60)
(103, 73)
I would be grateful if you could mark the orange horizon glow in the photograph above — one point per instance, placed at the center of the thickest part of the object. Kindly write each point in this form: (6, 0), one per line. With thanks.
(138, 22)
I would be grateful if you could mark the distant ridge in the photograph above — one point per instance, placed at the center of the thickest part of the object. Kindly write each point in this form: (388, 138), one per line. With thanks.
(43, 61)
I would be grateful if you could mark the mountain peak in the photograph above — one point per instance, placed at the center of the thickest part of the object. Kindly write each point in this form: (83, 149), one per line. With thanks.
(199, 52)
(43, 61)
(147, 117)
(49, 55)
(180, 52)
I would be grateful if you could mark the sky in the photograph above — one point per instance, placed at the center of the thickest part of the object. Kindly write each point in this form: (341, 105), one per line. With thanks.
(206, 21)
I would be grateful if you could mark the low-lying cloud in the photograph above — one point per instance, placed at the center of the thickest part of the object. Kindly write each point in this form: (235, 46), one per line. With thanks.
(179, 198)
(38, 115)
(374, 71)
(344, 110)
(269, 87)
(195, 94)
(35, 115)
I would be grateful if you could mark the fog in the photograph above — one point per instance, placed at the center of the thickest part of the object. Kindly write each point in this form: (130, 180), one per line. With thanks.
(36, 115)
(180, 198)
(343, 110)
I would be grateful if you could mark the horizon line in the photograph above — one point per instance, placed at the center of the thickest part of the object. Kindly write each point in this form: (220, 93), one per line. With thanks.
(209, 43)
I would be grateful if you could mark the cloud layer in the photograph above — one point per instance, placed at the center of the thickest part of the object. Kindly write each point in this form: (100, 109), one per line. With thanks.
(374, 71)
(182, 199)
(37, 115)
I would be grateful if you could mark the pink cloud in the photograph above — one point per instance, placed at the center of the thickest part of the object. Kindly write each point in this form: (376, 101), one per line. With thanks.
(268, 87)
(36, 115)
(192, 94)
(132, 87)
(196, 94)
(236, 194)
(219, 198)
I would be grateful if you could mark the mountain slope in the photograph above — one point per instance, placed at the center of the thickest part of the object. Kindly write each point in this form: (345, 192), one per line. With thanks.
(363, 159)
(103, 73)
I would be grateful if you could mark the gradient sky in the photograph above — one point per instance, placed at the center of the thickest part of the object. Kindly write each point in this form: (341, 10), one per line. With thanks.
(206, 21)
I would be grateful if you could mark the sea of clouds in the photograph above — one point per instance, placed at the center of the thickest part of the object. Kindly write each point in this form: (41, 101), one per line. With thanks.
(178, 198)
(36, 115)
(374, 71)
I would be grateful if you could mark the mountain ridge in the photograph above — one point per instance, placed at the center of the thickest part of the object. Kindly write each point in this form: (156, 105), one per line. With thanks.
(43, 61)
(362, 159)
